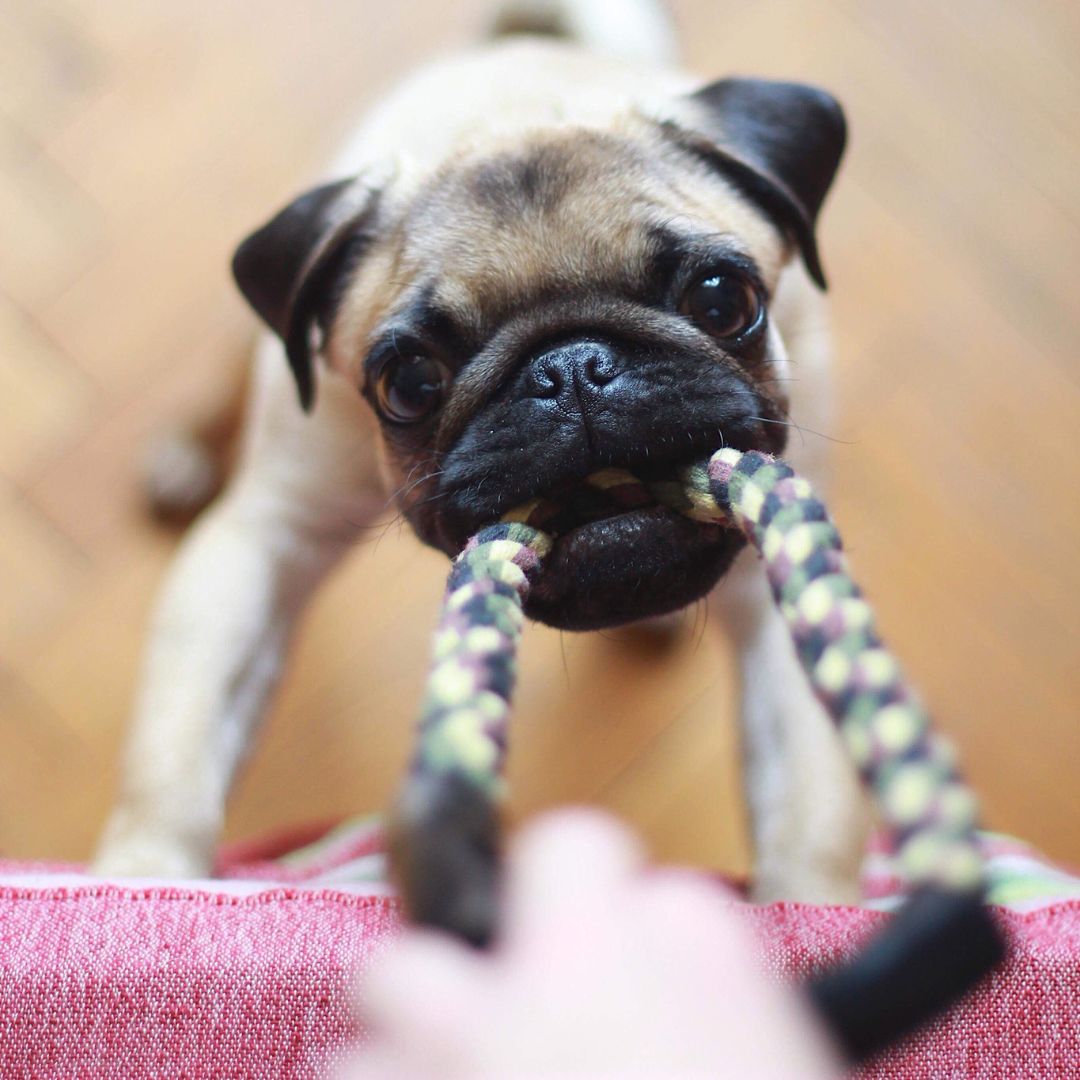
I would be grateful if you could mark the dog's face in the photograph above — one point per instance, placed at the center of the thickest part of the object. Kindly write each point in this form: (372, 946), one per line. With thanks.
(577, 299)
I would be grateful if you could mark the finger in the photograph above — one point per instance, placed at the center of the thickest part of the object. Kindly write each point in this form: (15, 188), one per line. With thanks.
(425, 986)
(563, 863)
(694, 934)
(694, 919)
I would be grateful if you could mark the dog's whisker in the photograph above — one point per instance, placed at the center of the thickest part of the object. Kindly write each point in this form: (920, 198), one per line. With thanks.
(407, 488)
(803, 430)
(432, 498)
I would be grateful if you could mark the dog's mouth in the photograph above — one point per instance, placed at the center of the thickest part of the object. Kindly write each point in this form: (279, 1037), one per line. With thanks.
(619, 554)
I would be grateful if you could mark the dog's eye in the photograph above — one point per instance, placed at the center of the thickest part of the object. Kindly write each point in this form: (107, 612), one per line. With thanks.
(724, 305)
(410, 388)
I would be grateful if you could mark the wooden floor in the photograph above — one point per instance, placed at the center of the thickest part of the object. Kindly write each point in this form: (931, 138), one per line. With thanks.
(140, 139)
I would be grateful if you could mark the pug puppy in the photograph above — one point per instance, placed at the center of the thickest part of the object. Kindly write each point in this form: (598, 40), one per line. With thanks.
(550, 255)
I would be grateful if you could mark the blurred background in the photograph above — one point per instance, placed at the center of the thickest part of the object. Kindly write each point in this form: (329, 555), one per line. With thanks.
(139, 140)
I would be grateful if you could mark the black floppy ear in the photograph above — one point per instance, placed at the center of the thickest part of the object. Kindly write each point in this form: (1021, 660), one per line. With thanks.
(287, 268)
(781, 144)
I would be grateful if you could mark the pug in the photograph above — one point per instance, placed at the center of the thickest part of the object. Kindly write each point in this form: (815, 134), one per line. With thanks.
(550, 255)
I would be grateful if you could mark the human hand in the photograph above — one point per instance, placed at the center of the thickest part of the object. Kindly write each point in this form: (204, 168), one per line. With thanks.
(603, 968)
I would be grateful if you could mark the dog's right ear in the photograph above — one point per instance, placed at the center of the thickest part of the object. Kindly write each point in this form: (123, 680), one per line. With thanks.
(287, 268)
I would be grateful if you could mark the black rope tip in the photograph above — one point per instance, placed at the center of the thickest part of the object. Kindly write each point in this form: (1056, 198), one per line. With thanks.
(444, 855)
(937, 948)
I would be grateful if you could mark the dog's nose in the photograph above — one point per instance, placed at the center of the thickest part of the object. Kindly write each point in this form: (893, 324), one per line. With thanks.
(575, 367)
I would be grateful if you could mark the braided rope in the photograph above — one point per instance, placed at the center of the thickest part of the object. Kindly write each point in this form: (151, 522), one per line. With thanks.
(929, 813)
(466, 706)
(938, 945)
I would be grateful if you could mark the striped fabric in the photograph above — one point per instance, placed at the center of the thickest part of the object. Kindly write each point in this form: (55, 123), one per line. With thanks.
(1019, 877)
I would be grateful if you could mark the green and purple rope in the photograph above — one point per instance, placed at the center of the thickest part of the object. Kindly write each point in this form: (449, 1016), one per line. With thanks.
(466, 706)
(943, 941)
(908, 768)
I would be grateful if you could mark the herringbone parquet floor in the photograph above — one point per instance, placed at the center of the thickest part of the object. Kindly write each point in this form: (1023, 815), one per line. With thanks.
(139, 140)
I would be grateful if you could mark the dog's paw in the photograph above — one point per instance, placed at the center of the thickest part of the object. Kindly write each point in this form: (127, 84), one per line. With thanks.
(180, 475)
(806, 884)
(146, 854)
(444, 851)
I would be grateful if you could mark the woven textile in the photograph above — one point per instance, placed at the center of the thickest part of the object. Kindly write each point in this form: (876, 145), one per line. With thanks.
(251, 975)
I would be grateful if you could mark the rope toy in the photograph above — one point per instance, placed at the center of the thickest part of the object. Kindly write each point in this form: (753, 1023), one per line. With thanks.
(943, 940)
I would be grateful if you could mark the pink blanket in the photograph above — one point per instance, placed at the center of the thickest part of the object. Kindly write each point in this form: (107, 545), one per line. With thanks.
(253, 975)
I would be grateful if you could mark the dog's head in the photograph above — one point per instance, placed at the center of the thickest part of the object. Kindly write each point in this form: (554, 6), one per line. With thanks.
(551, 305)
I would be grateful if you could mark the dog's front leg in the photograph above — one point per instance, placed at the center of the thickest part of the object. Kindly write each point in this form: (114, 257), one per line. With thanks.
(217, 644)
(224, 619)
(808, 816)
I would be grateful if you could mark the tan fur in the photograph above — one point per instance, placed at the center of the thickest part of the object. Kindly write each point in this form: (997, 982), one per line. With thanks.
(307, 485)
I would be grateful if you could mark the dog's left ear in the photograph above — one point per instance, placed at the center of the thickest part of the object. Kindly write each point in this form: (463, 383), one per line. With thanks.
(286, 268)
(780, 143)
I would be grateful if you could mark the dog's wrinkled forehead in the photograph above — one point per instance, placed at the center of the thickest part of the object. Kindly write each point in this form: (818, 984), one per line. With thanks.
(501, 225)
(515, 225)
(581, 213)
